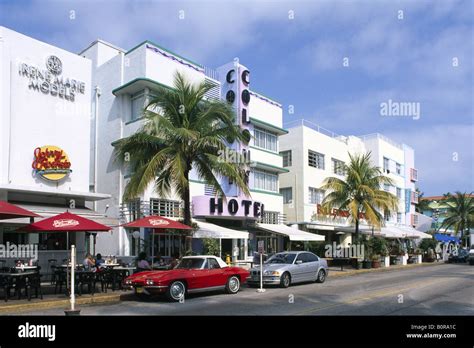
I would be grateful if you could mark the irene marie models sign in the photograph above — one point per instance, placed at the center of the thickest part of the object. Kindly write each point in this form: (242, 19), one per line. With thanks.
(51, 163)
(232, 207)
(50, 81)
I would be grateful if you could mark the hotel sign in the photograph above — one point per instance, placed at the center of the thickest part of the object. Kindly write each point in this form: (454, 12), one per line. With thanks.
(50, 81)
(232, 207)
(51, 163)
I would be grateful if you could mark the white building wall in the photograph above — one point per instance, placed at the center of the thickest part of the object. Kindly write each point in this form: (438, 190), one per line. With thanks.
(30, 118)
(302, 176)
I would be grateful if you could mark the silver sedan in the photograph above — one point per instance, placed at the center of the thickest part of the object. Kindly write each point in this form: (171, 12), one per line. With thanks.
(290, 267)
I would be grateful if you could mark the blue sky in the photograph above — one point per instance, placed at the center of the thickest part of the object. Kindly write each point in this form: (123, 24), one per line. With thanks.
(297, 58)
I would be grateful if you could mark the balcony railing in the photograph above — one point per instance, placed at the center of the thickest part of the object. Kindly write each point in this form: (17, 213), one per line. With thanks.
(315, 127)
(138, 209)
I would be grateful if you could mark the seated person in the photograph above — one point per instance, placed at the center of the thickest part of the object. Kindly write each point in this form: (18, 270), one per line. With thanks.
(142, 262)
(174, 261)
(88, 261)
(99, 260)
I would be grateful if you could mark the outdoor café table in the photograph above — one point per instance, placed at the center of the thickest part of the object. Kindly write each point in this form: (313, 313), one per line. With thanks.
(18, 280)
(26, 268)
(110, 265)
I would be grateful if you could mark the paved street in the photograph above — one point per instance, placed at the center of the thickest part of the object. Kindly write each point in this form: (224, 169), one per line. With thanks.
(444, 289)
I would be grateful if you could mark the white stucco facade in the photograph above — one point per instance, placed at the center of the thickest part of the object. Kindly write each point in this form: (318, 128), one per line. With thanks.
(45, 117)
(301, 186)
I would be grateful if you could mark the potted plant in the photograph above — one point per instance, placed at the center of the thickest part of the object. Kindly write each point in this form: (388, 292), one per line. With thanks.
(375, 261)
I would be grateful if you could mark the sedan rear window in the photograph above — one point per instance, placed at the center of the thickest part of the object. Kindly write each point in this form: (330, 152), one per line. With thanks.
(282, 258)
(190, 264)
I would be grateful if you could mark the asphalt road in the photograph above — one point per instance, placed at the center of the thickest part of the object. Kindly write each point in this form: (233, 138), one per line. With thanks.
(444, 289)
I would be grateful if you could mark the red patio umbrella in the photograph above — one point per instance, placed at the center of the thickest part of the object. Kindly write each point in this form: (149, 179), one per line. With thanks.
(10, 211)
(66, 222)
(157, 222)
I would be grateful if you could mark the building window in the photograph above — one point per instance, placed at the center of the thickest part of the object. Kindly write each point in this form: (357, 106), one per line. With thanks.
(287, 193)
(265, 139)
(263, 180)
(165, 207)
(386, 187)
(286, 158)
(270, 217)
(134, 209)
(315, 159)
(414, 219)
(399, 193)
(414, 197)
(399, 218)
(386, 165)
(387, 217)
(338, 167)
(138, 104)
(398, 168)
(316, 196)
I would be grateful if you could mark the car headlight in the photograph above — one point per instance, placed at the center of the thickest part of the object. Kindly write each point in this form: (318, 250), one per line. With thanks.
(149, 282)
(128, 282)
(271, 273)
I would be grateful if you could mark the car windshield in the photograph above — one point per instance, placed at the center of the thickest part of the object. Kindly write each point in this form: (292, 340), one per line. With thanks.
(190, 263)
(282, 258)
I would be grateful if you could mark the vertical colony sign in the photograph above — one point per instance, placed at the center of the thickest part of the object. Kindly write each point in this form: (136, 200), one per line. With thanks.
(50, 81)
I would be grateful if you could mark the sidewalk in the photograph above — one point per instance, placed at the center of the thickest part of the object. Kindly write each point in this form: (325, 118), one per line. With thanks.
(14, 306)
(335, 271)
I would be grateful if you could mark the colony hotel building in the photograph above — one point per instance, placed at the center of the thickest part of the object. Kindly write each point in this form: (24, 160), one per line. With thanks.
(124, 81)
(45, 132)
(313, 153)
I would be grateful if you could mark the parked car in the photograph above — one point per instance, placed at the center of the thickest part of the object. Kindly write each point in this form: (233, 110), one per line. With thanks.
(470, 258)
(290, 267)
(192, 274)
(459, 257)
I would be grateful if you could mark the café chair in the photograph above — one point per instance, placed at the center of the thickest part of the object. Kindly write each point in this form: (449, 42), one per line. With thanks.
(34, 283)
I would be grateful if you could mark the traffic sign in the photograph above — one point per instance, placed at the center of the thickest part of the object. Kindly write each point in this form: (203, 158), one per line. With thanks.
(261, 246)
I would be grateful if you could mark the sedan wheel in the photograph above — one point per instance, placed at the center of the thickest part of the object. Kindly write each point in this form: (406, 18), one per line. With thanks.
(176, 291)
(233, 285)
(321, 276)
(285, 280)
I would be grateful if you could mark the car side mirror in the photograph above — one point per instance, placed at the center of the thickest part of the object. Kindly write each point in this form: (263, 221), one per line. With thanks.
(299, 262)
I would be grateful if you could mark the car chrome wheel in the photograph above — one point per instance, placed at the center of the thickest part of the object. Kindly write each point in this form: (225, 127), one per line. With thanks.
(177, 290)
(321, 276)
(233, 285)
(285, 280)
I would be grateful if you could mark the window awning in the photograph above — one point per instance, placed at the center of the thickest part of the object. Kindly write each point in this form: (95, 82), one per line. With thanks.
(403, 232)
(293, 233)
(414, 233)
(208, 230)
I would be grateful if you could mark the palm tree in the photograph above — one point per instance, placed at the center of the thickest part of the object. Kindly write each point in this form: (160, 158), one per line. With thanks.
(360, 192)
(459, 213)
(182, 130)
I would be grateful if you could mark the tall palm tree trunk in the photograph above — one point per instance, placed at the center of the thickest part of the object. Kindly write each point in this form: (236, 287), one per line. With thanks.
(187, 211)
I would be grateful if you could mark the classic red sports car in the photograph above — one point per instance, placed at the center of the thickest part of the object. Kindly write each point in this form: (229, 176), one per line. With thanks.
(192, 274)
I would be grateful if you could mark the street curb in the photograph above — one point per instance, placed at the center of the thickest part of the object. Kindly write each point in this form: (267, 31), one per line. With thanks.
(15, 308)
(341, 274)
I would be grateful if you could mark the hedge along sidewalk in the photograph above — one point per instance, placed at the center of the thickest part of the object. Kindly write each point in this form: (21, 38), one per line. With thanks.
(13, 308)
(337, 273)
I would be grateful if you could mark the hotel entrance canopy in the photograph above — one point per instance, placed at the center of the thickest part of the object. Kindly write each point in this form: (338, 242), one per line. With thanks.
(293, 233)
(208, 230)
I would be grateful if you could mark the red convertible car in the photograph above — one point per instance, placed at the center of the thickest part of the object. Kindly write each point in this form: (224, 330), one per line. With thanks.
(192, 274)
